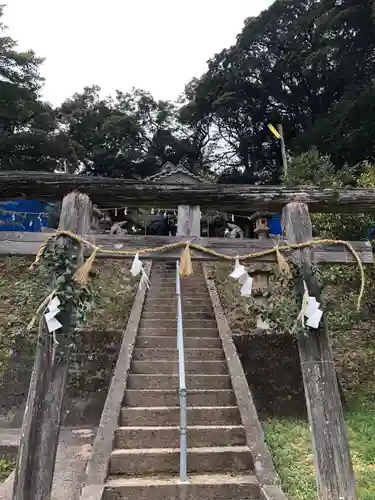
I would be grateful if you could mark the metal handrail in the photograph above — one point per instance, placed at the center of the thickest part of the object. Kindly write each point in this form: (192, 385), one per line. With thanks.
(182, 381)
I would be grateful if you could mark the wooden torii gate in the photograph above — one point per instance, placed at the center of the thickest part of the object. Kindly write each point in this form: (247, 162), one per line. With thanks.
(41, 424)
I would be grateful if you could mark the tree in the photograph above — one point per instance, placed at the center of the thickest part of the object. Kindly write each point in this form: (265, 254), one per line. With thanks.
(302, 63)
(313, 168)
(129, 136)
(28, 135)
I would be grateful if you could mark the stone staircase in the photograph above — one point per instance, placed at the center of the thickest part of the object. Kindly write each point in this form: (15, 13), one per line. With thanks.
(145, 460)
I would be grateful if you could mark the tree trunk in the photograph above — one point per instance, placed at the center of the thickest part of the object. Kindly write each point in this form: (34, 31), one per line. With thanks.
(42, 417)
(334, 470)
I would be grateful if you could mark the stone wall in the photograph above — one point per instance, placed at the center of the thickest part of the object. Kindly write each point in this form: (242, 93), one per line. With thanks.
(272, 368)
(90, 374)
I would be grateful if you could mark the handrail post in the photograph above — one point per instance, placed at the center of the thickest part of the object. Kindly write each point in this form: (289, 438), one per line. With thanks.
(182, 382)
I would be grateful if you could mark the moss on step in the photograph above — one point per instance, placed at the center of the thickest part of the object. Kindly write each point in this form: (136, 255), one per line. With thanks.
(6, 467)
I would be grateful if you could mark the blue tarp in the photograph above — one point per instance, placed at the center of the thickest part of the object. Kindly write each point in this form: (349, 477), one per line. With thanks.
(31, 216)
(23, 215)
(275, 225)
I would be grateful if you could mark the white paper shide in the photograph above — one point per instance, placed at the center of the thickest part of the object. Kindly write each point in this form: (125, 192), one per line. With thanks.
(137, 268)
(53, 310)
(240, 274)
(311, 310)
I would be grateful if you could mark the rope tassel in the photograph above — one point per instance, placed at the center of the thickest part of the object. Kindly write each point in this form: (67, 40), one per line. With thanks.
(82, 274)
(186, 266)
(283, 264)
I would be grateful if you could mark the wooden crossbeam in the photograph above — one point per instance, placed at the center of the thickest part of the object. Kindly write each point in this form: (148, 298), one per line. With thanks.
(119, 192)
(28, 244)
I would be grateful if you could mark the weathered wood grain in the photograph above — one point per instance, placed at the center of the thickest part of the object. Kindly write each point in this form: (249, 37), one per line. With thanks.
(27, 244)
(42, 417)
(114, 192)
(333, 465)
(188, 221)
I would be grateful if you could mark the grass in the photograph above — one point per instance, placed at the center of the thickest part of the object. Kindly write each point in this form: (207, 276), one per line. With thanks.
(6, 467)
(290, 443)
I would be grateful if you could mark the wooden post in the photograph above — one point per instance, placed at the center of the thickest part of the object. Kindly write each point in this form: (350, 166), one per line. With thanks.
(261, 274)
(334, 470)
(43, 412)
(188, 220)
(283, 150)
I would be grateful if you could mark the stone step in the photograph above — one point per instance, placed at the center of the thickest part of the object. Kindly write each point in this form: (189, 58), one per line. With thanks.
(200, 487)
(172, 381)
(171, 270)
(172, 331)
(156, 292)
(171, 367)
(170, 415)
(150, 398)
(171, 280)
(172, 323)
(169, 437)
(163, 307)
(167, 460)
(187, 291)
(172, 314)
(170, 300)
(166, 286)
(170, 342)
(193, 300)
(172, 354)
(170, 277)
(170, 273)
(169, 285)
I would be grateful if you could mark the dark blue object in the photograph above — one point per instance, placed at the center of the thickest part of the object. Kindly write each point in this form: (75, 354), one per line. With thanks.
(275, 225)
(23, 215)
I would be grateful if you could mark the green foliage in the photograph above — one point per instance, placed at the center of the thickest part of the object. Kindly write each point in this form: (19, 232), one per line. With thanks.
(22, 291)
(129, 136)
(55, 273)
(367, 176)
(312, 168)
(351, 334)
(290, 443)
(283, 304)
(6, 467)
(76, 301)
(29, 136)
(307, 64)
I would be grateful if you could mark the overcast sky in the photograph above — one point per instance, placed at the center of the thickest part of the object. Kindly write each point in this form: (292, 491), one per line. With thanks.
(156, 45)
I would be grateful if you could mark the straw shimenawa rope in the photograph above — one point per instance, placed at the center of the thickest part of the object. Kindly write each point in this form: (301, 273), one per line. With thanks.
(186, 267)
(82, 273)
